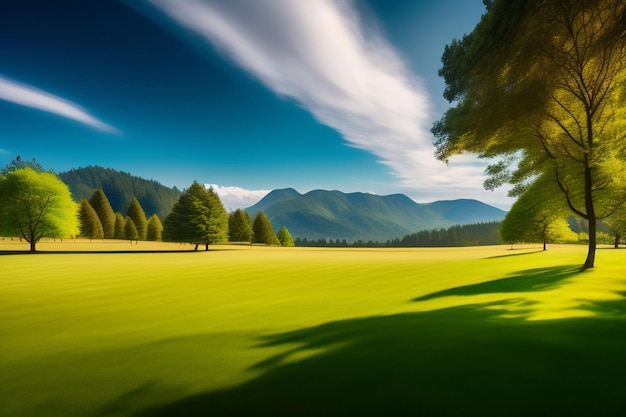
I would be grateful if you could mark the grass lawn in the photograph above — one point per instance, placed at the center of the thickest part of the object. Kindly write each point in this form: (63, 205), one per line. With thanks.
(302, 331)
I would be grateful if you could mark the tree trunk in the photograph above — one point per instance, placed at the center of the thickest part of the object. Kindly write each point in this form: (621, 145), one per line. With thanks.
(207, 247)
(32, 246)
(544, 244)
(196, 248)
(617, 237)
(591, 252)
(591, 213)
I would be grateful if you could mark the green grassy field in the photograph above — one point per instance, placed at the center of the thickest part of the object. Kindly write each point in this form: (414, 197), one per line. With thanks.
(300, 331)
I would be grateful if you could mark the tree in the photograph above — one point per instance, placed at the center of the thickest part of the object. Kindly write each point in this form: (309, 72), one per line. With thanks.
(263, 230)
(198, 217)
(617, 225)
(90, 225)
(101, 205)
(239, 226)
(36, 205)
(218, 219)
(130, 230)
(19, 163)
(136, 213)
(155, 228)
(541, 84)
(539, 215)
(119, 226)
(284, 237)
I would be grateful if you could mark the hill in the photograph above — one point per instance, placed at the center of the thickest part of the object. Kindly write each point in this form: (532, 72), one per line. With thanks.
(336, 215)
(120, 187)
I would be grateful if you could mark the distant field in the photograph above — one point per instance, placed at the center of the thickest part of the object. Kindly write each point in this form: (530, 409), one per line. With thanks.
(305, 331)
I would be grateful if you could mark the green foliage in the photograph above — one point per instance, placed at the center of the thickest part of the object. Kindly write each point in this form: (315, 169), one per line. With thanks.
(36, 205)
(155, 228)
(539, 215)
(543, 83)
(19, 163)
(120, 188)
(239, 226)
(136, 213)
(90, 225)
(198, 217)
(130, 230)
(120, 233)
(101, 205)
(263, 230)
(284, 237)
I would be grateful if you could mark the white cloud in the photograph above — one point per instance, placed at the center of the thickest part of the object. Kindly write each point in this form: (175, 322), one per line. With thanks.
(28, 96)
(234, 197)
(320, 54)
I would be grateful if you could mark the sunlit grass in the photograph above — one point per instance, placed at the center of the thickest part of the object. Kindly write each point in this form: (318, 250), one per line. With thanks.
(118, 333)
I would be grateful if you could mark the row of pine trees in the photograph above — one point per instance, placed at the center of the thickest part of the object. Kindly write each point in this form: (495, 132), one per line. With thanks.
(198, 217)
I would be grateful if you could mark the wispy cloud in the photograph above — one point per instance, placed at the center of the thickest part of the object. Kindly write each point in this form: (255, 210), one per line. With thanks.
(320, 54)
(29, 96)
(234, 197)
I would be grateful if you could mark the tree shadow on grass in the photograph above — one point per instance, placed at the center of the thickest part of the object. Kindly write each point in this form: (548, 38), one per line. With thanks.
(538, 279)
(449, 362)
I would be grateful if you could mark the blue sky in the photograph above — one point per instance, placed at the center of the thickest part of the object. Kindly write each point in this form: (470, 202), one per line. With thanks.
(246, 94)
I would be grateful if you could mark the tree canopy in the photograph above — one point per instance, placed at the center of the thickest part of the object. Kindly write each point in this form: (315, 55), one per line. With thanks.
(136, 213)
(101, 205)
(35, 205)
(198, 217)
(90, 225)
(542, 85)
(155, 228)
(263, 230)
(239, 226)
(284, 237)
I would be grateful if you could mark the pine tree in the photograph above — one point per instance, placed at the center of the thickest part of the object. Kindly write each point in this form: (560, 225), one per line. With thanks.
(263, 230)
(119, 226)
(198, 217)
(101, 205)
(155, 228)
(136, 213)
(239, 226)
(130, 231)
(90, 226)
(285, 238)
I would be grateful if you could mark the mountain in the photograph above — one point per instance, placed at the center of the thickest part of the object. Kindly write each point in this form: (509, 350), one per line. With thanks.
(359, 216)
(120, 187)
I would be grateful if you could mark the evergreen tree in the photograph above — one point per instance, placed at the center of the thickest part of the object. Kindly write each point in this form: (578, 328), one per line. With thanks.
(155, 228)
(284, 237)
(101, 205)
(119, 226)
(130, 230)
(198, 217)
(90, 225)
(136, 213)
(239, 226)
(263, 230)
(218, 218)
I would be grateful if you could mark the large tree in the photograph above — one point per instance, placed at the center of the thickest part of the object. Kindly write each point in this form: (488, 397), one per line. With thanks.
(239, 226)
(119, 226)
(102, 206)
(542, 84)
(35, 205)
(135, 212)
(90, 225)
(198, 217)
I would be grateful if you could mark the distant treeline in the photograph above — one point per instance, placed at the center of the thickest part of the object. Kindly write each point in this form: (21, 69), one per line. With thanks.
(120, 188)
(478, 234)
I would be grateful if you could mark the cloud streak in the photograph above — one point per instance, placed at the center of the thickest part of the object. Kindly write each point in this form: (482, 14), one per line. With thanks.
(27, 96)
(321, 55)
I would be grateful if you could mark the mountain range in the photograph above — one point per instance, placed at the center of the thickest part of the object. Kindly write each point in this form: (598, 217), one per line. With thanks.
(359, 216)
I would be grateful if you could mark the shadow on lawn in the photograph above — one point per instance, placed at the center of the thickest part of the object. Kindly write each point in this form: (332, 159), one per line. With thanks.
(86, 252)
(455, 361)
(540, 279)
